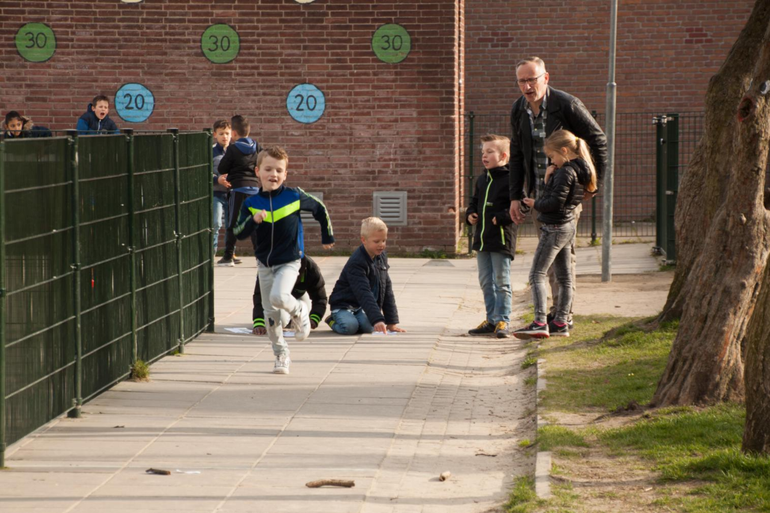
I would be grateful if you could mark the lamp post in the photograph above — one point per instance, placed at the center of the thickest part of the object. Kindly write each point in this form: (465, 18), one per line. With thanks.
(608, 179)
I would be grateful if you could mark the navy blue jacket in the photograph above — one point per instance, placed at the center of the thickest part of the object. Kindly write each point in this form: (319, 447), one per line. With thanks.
(279, 237)
(239, 162)
(218, 154)
(27, 130)
(90, 124)
(362, 278)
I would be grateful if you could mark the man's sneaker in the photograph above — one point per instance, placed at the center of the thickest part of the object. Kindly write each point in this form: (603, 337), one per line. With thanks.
(550, 318)
(301, 323)
(501, 330)
(534, 330)
(225, 262)
(282, 364)
(237, 260)
(556, 330)
(485, 328)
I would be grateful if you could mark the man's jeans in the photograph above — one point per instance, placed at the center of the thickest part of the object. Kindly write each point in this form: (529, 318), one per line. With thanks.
(221, 215)
(553, 249)
(350, 322)
(573, 261)
(276, 284)
(495, 281)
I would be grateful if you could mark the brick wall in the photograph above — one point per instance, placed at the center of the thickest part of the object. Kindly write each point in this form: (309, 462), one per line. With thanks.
(666, 49)
(386, 127)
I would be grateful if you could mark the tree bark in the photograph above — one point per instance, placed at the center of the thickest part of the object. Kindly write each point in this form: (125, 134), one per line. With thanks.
(756, 433)
(702, 186)
(706, 364)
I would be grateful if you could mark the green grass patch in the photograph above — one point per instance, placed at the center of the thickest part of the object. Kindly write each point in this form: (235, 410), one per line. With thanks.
(530, 381)
(550, 437)
(140, 371)
(523, 497)
(529, 360)
(594, 371)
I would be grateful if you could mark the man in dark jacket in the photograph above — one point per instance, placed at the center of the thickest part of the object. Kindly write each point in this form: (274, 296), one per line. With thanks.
(310, 288)
(362, 300)
(96, 119)
(539, 112)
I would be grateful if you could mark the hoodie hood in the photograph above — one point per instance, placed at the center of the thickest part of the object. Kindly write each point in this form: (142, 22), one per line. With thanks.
(246, 146)
(581, 170)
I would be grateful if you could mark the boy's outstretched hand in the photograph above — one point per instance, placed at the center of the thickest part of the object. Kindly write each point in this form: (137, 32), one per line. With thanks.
(380, 326)
(396, 328)
(329, 246)
(260, 216)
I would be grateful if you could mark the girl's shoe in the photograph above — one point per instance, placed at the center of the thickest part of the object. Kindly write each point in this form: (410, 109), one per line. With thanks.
(534, 330)
(558, 331)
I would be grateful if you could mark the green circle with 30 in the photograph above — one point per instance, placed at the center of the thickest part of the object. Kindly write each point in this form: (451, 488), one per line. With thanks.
(36, 42)
(391, 43)
(220, 43)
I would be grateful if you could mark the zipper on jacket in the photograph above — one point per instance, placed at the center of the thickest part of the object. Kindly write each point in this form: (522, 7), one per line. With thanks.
(272, 229)
(502, 233)
(484, 211)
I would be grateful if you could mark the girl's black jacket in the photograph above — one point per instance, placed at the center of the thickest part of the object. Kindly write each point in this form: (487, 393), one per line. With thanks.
(491, 201)
(563, 192)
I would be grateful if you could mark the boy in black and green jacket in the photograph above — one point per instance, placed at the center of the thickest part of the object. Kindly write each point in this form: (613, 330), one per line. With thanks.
(495, 235)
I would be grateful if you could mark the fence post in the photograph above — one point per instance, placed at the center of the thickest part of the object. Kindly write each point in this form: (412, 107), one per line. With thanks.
(76, 264)
(178, 234)
(210, 328)
(471, 142)
(132, 242)
(2, 305)
(671, 185)
(660, 183)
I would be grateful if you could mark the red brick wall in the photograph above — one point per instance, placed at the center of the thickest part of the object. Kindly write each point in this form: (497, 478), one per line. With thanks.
(388, 127)
(666, 49)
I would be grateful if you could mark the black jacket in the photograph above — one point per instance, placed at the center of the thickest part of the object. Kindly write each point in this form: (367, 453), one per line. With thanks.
(563, 111)
(491, 201)
(355, 288)
(310, 280)
(90, 124)
(239, 162)
(28, 129)
(563, 192)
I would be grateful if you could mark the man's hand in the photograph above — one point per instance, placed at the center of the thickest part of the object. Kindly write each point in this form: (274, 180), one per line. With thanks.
(222, 180)
(329, 246)
(380, 326)
(259, 216)
(473, 218)
(313, 324)
(396, 328)
(259, 330)
(529, 202)
(516, 215)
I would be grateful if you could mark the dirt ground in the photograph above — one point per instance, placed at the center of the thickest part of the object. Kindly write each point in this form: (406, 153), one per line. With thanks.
(627, 295)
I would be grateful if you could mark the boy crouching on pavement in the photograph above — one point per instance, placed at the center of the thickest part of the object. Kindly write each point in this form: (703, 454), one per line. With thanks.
(362, 300)
(274, 213)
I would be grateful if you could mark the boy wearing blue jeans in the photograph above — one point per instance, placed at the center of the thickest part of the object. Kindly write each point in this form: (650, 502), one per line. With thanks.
(495, 235)
(362, 300)
(222, 135)
(273, 215)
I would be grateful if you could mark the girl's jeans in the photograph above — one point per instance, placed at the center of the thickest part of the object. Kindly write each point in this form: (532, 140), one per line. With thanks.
(350, 322)
(554, 247)
(495, 281)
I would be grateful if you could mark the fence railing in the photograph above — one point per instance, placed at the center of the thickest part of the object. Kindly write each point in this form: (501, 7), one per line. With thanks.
(636, 208)
(107, 253)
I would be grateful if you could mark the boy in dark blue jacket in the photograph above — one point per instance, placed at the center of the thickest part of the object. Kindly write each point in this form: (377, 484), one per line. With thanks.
(273, 214)
(362, 300)
(96, 118)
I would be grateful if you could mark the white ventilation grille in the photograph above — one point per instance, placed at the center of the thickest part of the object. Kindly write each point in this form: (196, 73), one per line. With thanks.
(391, 207)
(307, 217)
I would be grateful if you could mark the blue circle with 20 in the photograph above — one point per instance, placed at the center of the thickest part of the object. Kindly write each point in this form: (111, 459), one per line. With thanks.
(306, 103)
(134, 102)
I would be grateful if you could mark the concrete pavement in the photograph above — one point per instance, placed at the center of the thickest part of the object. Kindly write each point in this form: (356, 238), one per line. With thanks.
(390, 412)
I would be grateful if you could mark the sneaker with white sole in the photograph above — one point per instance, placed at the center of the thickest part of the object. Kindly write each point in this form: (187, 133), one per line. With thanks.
(225, 262)
(282, 364)
(533, 330)
(301, 323)
(556, 329)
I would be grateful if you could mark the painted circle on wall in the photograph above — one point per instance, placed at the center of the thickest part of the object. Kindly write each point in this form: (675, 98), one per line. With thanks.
(391, 43)
(304, 1)
(134, 102)
(306, 103)
(220, 43)
(36, 42)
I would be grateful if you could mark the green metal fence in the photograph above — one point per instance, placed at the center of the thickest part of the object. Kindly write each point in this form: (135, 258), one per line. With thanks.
(107, 257)
(637, 209)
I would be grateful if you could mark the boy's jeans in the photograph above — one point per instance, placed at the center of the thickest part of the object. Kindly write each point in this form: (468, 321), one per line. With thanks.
(221, 211)
(276, 284)
(554, 247)
(350, 322)
(495, 281)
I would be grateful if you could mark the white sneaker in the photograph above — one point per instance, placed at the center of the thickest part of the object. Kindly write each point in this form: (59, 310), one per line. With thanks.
(282, 364)
(301, 323)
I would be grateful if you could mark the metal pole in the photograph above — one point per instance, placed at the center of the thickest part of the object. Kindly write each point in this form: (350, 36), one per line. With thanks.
(178, 234)
(132, 243)
(2, 306)
(471, 143)
(210, 329)
(73, 162)
(608, 179)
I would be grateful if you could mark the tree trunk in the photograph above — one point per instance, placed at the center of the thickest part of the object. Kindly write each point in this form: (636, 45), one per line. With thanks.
(705, 364)
(756, 434)
(702, 186)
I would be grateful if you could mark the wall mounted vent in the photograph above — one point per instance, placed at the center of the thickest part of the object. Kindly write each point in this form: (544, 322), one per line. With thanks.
(391, 207)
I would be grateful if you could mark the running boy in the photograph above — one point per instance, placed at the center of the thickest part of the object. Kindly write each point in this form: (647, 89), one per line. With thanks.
(96, 119)
(273, 214)
(495, 235)
(362, 300)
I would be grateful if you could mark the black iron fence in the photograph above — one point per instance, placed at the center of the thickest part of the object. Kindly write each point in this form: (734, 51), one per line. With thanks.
(107, 253)
(637, 206)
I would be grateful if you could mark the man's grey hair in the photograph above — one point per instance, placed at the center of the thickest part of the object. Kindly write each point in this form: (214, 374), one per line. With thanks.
(526, 60)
